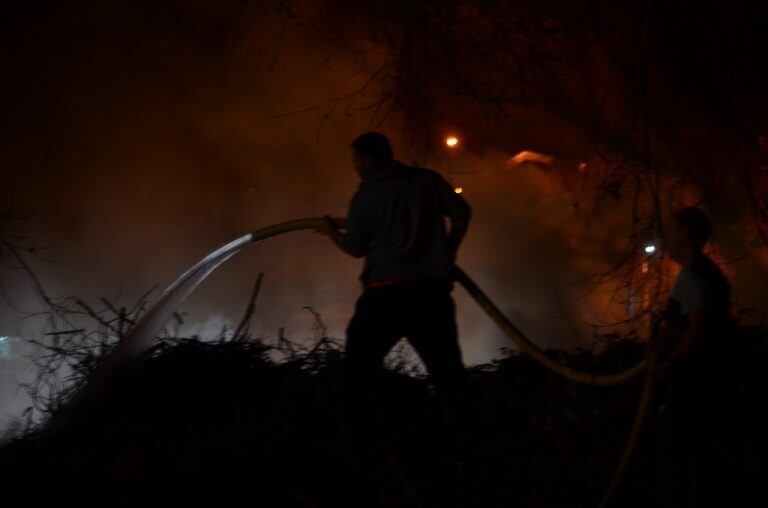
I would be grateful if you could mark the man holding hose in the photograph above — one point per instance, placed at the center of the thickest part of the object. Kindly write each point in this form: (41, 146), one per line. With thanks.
(396, 221)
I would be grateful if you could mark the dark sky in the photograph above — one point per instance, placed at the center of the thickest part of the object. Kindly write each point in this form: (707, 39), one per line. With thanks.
(142, 135)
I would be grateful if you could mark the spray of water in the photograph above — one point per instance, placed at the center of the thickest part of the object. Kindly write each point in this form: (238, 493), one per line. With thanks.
(143, 334)
(145, 331)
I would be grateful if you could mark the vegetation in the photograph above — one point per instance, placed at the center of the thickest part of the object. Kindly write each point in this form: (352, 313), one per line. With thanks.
(199, 422)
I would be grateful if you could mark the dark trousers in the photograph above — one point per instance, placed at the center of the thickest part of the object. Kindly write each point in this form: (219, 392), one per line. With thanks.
(425, 314)
(688, 432)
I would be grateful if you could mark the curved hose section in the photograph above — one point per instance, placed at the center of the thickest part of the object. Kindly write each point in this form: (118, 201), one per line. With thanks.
(528, 347)
(641, 414)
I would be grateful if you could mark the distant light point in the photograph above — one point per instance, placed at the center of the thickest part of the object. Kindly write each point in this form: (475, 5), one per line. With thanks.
(458, 190)
(650, 249)
(452, 141)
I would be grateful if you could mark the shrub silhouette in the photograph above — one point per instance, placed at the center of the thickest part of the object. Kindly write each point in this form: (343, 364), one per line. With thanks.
(199, 423)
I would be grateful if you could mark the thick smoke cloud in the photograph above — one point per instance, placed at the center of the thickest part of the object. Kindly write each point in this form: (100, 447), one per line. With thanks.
(143, 137)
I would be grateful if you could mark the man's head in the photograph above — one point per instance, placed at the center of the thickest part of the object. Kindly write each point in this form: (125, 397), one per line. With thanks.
(689, 231)
(369, 150)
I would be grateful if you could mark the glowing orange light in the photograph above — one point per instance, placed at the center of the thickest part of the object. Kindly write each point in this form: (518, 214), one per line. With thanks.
(452, 141)
(529, 156)
(458, 190)
(583, 167)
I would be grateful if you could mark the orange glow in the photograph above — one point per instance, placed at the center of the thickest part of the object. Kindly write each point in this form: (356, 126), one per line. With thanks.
(528, 156)
(583, 167)
(452, 141)
(645, 266)
(458, 190)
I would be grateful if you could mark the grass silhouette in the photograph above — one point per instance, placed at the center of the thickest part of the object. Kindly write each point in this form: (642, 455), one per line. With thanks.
(206, 423)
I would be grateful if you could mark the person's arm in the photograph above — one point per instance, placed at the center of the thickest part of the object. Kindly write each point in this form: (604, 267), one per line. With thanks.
(694, 298)
(456, 208)
(330, 229)
(456, 233)
(697, 327)
(355, 241)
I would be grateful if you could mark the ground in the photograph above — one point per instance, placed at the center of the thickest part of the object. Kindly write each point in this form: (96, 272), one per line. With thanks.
(200, 423)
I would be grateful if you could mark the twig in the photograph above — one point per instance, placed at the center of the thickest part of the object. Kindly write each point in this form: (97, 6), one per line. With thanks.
(245, 323)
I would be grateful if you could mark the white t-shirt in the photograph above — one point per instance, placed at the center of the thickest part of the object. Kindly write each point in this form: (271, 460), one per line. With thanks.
(690, 291)
(700, 287)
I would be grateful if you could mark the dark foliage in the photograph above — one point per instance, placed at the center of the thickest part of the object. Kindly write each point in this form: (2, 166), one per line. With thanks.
(199, 423)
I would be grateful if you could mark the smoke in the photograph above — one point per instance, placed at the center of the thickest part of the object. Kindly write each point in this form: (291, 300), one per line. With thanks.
(142, 137)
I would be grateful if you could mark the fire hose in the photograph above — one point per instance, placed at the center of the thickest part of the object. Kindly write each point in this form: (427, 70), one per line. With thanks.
(144, 333)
